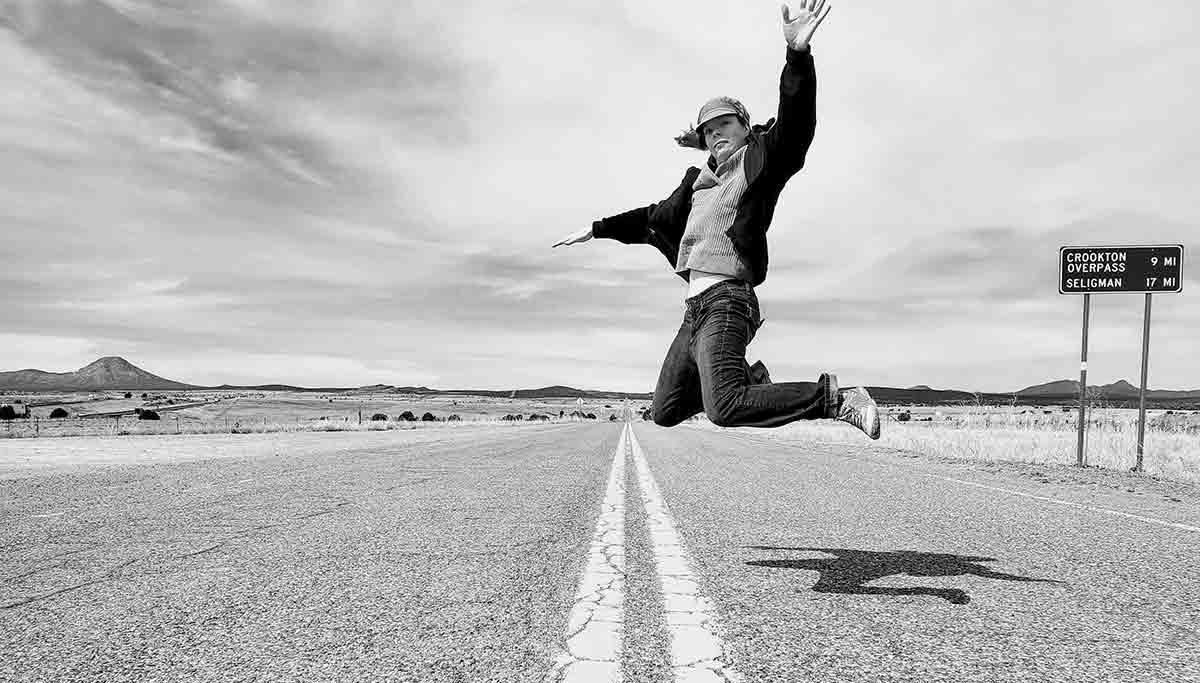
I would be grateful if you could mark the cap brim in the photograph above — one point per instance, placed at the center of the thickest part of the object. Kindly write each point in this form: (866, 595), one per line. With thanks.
(709, 116)
(722, 111)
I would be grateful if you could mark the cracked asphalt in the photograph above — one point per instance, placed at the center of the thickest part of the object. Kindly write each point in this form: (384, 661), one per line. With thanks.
(855, 563)
(456, 555)
(451, 558)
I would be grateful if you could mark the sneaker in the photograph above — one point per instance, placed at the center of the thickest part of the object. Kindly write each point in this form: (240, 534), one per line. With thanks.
(858, 408)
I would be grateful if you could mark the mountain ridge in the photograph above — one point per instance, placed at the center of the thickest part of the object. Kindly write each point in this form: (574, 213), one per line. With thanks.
(114, 373)
(104, 374)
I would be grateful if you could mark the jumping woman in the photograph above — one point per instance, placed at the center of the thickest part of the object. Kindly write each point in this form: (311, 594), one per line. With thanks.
(713, 231)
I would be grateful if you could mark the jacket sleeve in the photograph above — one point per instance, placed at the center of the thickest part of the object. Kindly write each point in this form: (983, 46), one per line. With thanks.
(667, 218)
(788, 140)
(629, 227)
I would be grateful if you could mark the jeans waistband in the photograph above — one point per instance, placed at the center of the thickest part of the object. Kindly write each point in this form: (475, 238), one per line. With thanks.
(716, 291)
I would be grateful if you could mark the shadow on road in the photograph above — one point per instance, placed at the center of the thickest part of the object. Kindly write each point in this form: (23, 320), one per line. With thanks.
(849, 570)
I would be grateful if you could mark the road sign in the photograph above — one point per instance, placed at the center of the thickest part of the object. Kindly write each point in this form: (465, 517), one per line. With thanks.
(1146, 269)
(1102, 270)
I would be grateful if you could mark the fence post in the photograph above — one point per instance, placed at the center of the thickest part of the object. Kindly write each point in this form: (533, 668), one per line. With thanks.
(37, 427)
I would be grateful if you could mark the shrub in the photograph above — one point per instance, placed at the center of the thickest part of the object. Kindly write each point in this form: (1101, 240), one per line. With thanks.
(612, 418)
(408, 416)
(147, 415)
(428, 417)
(378, 417)
(58, 412)
(128, 394)
(453, 418)
(591, 416)
(904, 417)
(647, 416)
(144, 395)
(7, 412)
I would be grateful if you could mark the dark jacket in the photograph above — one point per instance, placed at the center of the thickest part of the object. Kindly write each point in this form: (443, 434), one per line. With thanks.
(774, 153)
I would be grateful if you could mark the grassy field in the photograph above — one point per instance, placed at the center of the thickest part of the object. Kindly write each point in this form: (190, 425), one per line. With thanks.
(248, 412)
(1016, 434)
(1033, 435)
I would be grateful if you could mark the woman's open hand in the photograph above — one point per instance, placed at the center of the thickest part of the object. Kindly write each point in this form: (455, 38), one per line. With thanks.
(575, 238)
(799, 29)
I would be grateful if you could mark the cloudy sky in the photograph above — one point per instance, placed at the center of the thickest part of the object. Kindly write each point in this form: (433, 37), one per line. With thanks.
(343, 193)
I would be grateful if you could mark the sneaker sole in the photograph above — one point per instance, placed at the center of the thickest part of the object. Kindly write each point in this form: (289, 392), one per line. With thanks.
(874, 430)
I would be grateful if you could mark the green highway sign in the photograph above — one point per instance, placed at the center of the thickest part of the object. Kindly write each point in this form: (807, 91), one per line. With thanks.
(1102, 270)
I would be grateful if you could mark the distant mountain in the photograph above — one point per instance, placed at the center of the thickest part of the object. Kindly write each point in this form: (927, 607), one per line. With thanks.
(279, 387)
(1121, 389)
(113, 373)
(919, 396)
(1056, 388)
(110, 373)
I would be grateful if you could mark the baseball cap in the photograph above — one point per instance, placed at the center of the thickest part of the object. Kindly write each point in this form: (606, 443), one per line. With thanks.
(719, 106)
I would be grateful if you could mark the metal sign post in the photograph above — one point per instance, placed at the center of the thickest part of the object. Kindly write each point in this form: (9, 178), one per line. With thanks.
(1087, 300)
(1105, 270)
(1142, 392)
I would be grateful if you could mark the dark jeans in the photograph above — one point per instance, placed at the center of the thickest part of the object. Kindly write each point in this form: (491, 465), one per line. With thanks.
(706, 370)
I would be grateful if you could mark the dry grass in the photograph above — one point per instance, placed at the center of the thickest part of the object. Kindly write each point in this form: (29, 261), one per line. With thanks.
(270, 412)
(1171, 448)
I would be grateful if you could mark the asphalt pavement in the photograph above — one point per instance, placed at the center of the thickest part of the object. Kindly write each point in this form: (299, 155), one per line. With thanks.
(466, 555)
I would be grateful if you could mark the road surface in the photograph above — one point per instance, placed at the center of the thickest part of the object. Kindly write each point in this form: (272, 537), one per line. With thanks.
(581, 552)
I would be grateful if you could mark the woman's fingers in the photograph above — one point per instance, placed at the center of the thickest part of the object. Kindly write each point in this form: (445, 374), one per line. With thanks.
(823, 15)
(572, 239)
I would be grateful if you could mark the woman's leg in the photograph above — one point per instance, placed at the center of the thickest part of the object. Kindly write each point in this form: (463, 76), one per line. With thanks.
(727, 322)
(677, 395)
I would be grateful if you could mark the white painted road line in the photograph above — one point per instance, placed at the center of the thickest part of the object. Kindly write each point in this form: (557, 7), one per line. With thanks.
(697, 651)
(594, 628)
(1083, 506)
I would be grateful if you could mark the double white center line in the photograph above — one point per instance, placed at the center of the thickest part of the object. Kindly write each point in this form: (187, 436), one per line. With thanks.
(594, 631)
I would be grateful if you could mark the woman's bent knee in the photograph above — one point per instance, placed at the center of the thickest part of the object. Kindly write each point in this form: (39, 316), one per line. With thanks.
(667, 420)
(721, 416)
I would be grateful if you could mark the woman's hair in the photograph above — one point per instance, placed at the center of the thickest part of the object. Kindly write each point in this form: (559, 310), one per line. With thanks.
(689, 138)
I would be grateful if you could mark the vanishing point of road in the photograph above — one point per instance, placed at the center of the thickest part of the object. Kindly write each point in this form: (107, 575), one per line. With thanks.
(578, 552)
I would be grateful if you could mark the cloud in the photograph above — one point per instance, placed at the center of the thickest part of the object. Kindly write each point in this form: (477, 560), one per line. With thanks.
(230, 83)
(379, 184)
